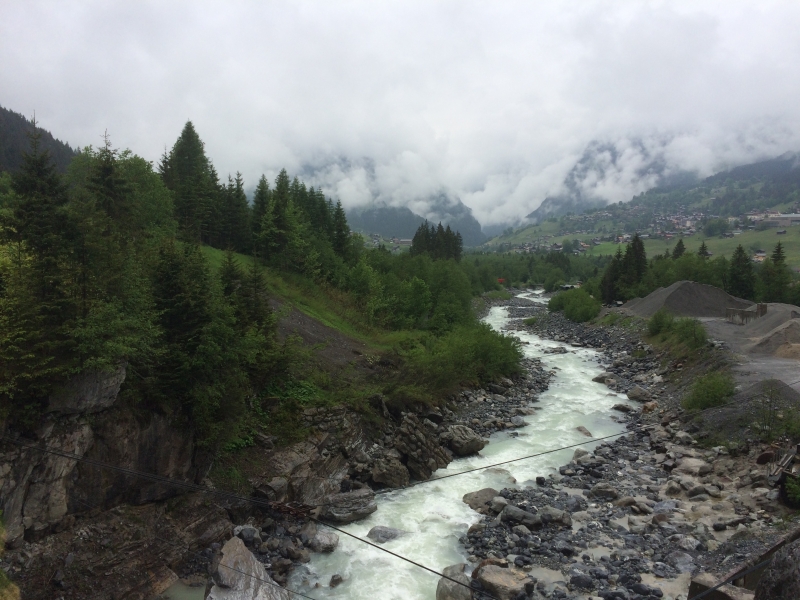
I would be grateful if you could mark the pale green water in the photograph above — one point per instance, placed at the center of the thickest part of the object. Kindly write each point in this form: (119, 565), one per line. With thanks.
(179, 591)
(434, 514)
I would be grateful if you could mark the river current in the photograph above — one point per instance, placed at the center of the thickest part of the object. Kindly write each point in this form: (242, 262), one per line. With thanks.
(433, 513)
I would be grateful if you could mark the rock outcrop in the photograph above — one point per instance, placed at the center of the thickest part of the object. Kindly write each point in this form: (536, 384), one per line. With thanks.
(348, 506)
(420, 446)
(237, 575)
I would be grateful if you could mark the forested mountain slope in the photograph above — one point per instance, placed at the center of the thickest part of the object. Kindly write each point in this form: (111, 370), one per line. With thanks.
(14, 131)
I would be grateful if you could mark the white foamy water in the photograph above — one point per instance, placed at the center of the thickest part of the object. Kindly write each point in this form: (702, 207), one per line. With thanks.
(434, 515)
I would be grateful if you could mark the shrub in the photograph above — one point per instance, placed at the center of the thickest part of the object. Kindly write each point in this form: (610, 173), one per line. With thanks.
(793, 490)
(474, 354)
(498, 295)
(661, 322)
(530, 321)
(577, 305)
(709, 390)
(690, 332)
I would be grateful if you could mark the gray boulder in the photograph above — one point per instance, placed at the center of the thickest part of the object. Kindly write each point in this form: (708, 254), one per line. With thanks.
(604, 491)
(781, 580)
(348, 506)
(380, 534)
(639, 394)
(502, 583)
(237, 575)
(324, 541)
(480, 499)
(463, 441)
(517, 515)
(450, 590)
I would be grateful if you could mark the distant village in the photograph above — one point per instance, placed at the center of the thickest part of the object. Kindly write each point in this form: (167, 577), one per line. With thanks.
(680, 224)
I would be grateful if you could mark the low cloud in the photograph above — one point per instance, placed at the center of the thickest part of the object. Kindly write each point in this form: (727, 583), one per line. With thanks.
(399, 102)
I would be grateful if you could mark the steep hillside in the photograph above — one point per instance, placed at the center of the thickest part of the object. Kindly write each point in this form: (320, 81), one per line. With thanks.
(14, 130)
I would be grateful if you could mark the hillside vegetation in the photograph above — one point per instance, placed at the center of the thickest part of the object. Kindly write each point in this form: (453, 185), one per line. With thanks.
(175, 276)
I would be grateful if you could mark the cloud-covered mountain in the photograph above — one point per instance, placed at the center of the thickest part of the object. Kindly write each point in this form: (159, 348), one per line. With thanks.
(400, 221)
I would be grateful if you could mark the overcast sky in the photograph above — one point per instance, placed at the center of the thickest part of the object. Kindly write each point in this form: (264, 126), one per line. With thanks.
(491, 102)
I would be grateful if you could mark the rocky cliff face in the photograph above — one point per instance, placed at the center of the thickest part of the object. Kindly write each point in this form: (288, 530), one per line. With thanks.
(39, 491)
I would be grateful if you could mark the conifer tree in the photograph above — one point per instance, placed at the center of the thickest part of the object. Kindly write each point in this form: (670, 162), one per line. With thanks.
(741, 279)
(679, 250)
(703, 251)
(189, 174)
(261, 201)
(341, 232)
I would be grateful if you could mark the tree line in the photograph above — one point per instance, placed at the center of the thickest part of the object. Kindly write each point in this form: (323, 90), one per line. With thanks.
(630, 274)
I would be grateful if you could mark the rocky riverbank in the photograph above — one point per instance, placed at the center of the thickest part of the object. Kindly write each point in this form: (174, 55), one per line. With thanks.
(632, 519)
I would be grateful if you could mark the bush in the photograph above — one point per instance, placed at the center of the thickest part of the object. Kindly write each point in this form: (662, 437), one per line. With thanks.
(498, 295)
(793, 491)
(690, 332)
(709, 390)
(661, 322)
(474, 354)
(577, 305)
(530, 321)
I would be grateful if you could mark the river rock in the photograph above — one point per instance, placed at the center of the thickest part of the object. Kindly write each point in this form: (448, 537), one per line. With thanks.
(626, 408)
(349, 506)
(548, 514)
(502, 583)
(682, 561)
(781, 581)
(480, 499)
(517, 515)
(463, 441)
(639, 394)
(324, 541)
(380, 534)
(450, 590)
(390, 472)
(693, 466)
(584, 431)
(604, 491)
(602, 377)
(237, 575)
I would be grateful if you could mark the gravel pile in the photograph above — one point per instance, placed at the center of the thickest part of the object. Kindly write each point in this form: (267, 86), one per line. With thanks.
(686, 299)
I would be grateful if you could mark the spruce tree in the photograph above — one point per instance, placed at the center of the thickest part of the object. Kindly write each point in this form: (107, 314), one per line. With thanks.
(261, 200)
(679, 250)
(341, 231)
(703, 251)
(189, 174)
(741, 279)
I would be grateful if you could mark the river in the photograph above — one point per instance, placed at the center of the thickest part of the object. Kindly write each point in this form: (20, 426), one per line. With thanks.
(434, 515)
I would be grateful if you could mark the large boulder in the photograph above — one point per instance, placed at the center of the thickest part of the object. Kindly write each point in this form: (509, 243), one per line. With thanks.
(639, 394)
(696, 467)
(463, 441)
(517, 515)
(450, 590)
(502, 583)
(348, 506)
(480, 499)
(324, 541)
(237, 575)
(380, 534)
(781, 580)
(604, 491)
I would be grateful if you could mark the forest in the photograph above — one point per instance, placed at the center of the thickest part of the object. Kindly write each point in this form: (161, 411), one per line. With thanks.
(104, 267)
